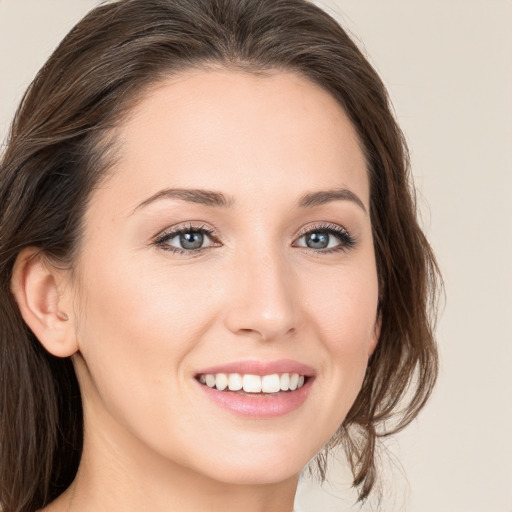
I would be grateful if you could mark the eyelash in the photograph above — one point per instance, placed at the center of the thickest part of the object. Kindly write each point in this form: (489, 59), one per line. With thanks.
(161, 240)
(347, 241)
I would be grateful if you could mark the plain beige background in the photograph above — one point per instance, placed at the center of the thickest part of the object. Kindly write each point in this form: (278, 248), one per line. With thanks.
(448, 67)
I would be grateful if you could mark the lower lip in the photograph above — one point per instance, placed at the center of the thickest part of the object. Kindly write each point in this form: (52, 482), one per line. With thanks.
(259, 405)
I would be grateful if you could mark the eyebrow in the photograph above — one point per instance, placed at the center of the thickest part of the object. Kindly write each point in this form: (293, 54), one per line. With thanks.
(198, 196)
(326, 196)
(219, 200)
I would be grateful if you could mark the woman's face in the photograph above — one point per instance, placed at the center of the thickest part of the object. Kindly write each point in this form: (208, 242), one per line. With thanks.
(231, 246)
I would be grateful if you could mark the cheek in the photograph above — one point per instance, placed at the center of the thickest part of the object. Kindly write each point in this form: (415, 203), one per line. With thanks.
(139, 322)
(345, 312)
(126, 300)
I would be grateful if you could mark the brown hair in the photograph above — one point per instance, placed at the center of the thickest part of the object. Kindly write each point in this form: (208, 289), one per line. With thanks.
(57, 152)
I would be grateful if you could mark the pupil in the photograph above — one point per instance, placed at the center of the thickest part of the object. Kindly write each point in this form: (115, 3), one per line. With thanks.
(317, 240)
(191, 240)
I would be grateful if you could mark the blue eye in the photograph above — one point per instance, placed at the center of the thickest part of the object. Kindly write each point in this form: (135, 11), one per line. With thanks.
(327, 238)
(187, 239)
(191, 239)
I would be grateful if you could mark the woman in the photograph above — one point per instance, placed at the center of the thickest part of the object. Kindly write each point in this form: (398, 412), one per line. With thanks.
(211, 268)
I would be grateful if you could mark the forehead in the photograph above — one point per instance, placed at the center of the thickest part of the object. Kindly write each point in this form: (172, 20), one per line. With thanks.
(239, 132)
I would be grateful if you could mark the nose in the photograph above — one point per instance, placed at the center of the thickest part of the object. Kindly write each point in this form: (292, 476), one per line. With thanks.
(263, 303)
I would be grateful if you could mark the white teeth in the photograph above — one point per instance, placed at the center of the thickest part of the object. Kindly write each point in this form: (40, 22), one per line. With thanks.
(221, 381)
(294, 381)
(235, 382)
(253, 383)
(271, 383)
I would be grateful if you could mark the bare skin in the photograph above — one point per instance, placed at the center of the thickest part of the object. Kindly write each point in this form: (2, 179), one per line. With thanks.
(146, 314)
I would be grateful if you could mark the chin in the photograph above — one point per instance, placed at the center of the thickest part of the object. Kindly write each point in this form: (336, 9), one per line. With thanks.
(254, 474)
(257, 467)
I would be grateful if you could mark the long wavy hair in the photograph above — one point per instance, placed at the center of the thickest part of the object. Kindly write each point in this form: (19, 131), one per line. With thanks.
(59, 149)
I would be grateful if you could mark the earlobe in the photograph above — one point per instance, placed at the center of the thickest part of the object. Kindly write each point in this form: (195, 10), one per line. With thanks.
(43, 298)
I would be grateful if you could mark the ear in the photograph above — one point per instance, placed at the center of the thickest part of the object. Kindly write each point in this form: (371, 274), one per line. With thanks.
(42, 292)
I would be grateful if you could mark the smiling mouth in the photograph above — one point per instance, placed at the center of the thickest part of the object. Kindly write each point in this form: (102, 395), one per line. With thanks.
(253, 384)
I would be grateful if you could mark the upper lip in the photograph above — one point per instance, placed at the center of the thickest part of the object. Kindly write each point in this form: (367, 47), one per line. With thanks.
(252, 367)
